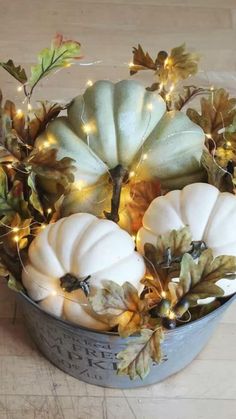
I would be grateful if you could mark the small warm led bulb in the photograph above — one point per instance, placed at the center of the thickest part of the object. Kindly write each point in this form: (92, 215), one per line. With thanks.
(16, 238)
(150, 106)
(9, 166)
(19, 113)
(49, 210)
(172, 315)
(163, 294)
(15, 229)
(19, 89)
(171, 88)
(43, 226)
(46, 144)
(228, 143)
(87, 128)
(67, 65)
(80, 184)
(145, 156)
(29, 107)
(89, 83)
(166, 61)
(131, 64)
(54, 293)
(132, 174)
(208, 136)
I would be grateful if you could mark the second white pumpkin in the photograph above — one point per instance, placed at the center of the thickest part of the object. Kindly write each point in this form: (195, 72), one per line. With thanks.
(81, 245)
(210, 215)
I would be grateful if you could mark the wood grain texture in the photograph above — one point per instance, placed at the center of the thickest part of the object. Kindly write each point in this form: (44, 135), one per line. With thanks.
(30, 387)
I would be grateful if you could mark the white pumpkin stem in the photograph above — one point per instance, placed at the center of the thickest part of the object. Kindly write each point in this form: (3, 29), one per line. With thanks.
(119, 176)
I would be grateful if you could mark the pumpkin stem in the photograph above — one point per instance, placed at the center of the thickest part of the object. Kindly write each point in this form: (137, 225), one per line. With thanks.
(70, 283)
(119, 175)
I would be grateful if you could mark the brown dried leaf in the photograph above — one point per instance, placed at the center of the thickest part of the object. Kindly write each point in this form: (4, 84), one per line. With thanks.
(188, 94)
(217, 112)
(16, 136)
(142, 194)
(141, 61)
(54, 175)
(42, 116)
(18, 228)
(179, 65)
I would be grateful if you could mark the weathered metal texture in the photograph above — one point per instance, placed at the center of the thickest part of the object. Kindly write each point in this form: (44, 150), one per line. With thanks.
(90, 356)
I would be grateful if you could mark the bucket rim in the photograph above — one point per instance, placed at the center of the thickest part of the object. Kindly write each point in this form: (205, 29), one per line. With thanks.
(66, 323)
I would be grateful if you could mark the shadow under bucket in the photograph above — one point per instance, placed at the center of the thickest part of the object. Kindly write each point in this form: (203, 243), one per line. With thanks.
(90, 355)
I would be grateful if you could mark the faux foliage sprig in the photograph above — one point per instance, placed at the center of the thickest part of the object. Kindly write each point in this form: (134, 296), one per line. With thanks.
(60, 54)
(170, 295)
(32, 181)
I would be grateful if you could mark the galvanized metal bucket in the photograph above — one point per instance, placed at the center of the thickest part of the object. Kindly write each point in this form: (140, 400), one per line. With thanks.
(90, 355)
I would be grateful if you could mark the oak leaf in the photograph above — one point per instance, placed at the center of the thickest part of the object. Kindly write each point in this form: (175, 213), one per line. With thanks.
(54, 175)
(217, 113)
(136, 359)
(142, 194)
(121, 305)
(179, 65)
(61, 53)
(16, 71)
(216, 175)
(172, 244)
(141, 61)
(197, 280)
(12, 200)
(42, 116)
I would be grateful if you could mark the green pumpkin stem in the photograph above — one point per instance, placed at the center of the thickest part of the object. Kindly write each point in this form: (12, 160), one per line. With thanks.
(119, 176)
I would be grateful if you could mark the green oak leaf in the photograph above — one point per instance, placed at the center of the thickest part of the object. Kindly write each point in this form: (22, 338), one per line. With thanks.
(60, 54)
(3, 270)
(4, 205)
(135, 360)
(12, 201)
(16, 71)
(120, 305)
(167, 253)
(198, 279)
(177, 241)
(216, 175)
(14, 284)
(16, 200)
(34, 197)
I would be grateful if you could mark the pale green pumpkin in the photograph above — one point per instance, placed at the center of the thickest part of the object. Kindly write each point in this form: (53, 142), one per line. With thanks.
(124, 124)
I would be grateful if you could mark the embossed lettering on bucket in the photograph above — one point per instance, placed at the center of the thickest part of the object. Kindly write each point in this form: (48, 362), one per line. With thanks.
(90, 355)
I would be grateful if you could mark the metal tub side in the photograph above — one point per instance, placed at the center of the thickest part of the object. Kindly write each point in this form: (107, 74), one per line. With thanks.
(90, 355)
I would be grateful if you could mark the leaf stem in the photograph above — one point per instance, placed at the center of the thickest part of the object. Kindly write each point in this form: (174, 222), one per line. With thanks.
(198, 92)
(45, 70)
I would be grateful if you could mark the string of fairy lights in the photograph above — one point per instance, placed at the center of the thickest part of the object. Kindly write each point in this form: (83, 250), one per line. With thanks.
(88, 129)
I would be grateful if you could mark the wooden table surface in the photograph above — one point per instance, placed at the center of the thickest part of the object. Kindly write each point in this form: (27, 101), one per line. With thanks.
(30, 387)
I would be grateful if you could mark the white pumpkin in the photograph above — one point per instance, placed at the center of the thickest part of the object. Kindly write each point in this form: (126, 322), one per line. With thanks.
(123, 123)
(210, 215)
(80, 245)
